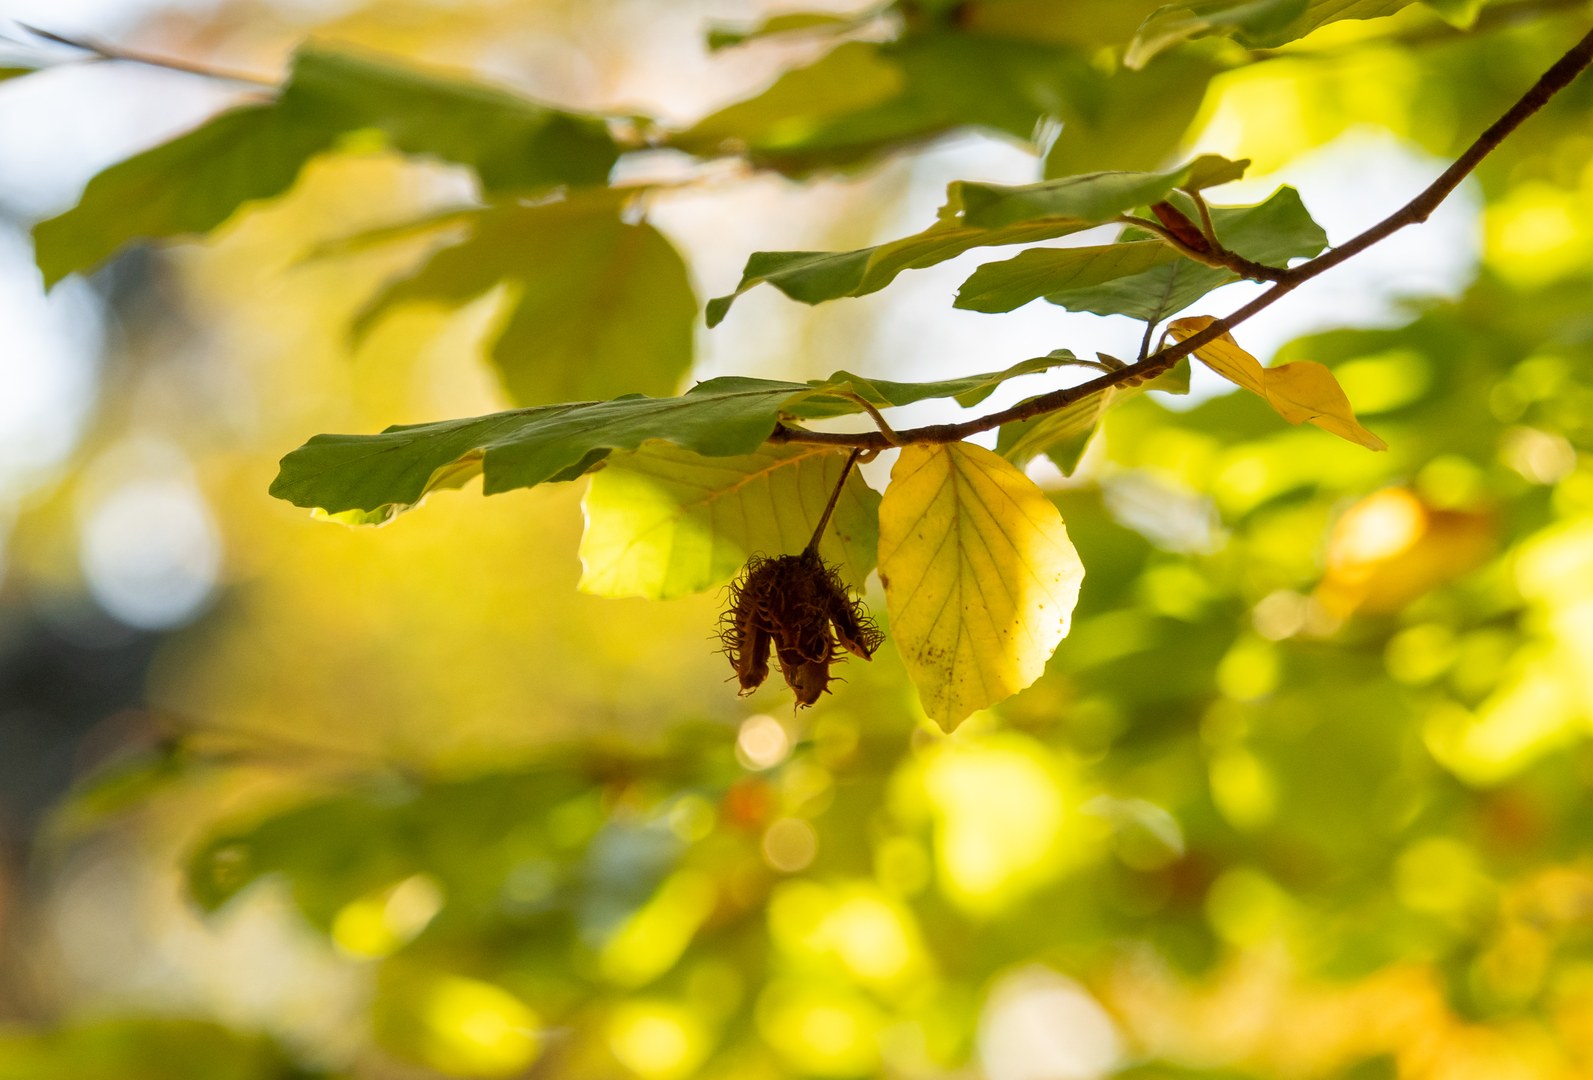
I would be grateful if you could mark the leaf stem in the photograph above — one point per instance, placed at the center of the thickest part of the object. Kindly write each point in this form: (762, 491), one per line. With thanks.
(1145, 342)
(1207, 226)
(101, 51)
(829, 508)
(867, 406)
(1219, 257)
(1417, 210)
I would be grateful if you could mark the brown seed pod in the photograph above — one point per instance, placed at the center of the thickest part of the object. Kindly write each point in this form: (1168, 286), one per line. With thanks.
(798, 606)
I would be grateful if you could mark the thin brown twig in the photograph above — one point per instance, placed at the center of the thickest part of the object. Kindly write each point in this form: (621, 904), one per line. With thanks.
(1219, 257)
(100, 51)
(835, 497)
(1145, 341)
(1207, 227)
(1418, 210)
(875, 415)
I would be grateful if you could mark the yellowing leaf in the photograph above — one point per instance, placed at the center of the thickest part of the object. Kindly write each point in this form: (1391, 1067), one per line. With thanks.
(1305, 390)
(980, 577)
(1301, 392)
(664, 522)
(1224, 356)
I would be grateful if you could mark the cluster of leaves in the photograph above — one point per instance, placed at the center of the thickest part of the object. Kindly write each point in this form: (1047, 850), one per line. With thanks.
(601, 303)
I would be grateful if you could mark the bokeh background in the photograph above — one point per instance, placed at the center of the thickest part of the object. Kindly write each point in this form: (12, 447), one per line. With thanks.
(1304, 794)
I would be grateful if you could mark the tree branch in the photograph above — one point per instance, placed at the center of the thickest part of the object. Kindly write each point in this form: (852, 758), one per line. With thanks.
(1218, 257)
(1418, 210)
(101, 51)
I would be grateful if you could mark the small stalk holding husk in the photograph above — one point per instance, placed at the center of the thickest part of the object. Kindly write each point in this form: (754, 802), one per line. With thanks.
(798, 606)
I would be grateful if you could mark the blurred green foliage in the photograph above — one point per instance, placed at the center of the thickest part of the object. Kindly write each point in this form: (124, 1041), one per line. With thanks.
(1303, 794)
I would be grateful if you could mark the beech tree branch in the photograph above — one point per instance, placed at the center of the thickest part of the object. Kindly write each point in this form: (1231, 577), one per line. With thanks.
(1418, 210)
(1218, 257)
(98, 50)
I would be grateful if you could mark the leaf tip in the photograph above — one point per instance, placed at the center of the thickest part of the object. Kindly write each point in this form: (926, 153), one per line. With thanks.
(717, 308)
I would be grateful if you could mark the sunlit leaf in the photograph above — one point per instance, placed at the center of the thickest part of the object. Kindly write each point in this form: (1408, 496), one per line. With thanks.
(1307, 391)
(1254, 23)
(1302, 391)
(1458, 13)
(975, 215)
(980, 577)
(596, 306)
(664, 522)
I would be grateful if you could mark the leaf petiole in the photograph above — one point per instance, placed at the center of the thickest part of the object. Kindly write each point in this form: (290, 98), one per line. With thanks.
(829, 507)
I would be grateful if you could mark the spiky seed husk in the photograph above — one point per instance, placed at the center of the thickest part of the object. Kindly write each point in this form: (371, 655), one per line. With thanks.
(798, 605)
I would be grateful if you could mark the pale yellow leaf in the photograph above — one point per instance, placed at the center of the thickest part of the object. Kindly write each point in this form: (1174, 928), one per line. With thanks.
(663, 522)
(980, 577)
(1301, 392)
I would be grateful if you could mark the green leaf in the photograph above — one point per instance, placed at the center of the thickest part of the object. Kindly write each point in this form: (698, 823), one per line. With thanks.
(1004, 286)
(980, 577)
(1270, 232)
(16, 72)
(512, 142)
(850, 77)
(664, 522)
(1020, 82)
(1090, 23)
(391, 471)
(185, 187)
(1092, 198)
(368, 479)
(975, 215)
(1065, 434)
(1256, 24)
(725, 35)
(192, 184)
(967, 390)
(1139, 120)
(864, 99)
(596, 306)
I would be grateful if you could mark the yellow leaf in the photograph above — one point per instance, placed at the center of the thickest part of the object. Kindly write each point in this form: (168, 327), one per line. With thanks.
(1307, 391)
(663, 522)
(1301, 392)
(1224, 356)
(980, 577)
